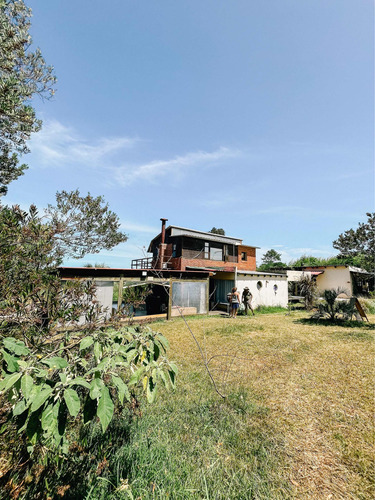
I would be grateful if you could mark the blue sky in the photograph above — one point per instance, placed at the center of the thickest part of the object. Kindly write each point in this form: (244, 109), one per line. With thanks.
(252, 116)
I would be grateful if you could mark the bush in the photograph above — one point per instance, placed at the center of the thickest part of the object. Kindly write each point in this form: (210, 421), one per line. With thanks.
(83, 377)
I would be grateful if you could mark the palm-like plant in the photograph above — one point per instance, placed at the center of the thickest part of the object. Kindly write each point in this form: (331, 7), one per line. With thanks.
(333, 308)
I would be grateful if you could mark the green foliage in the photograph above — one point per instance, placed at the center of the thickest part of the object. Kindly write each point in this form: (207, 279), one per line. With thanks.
(271, 256)
(359, 243)
(83, 225)
(33, 298)
(273, 266)
(87, 377)
(340, 260)
(269, 309)
(32, 247)
(309, 290)
(368, 305)
(23, 74)
(334, 308)
(271, 260)
(101, 265)
(218, 230)
(306, 260)
(133, 297)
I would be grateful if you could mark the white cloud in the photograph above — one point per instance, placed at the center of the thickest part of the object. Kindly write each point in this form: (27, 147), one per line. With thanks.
(139, 228)
(57, 144)
(159, 168)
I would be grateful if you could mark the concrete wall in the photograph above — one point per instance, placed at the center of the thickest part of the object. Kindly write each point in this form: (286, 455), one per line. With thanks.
(267, 291)
(297, 275)
(334, 277)
(104, 294)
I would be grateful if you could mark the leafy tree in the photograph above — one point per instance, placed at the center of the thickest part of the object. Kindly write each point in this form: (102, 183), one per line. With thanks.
(83, 225)
(271, 256)
(23, 74)
(271, 260)
(102, 265)
(306, 260)
(219, 230)
(53, 378)
(32, 246)
(359, 243)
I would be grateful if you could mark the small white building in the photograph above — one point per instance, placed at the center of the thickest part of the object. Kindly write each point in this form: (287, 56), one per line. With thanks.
(268, 289)
(352, 279)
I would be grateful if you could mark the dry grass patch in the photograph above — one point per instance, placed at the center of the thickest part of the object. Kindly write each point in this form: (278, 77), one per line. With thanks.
(317, 382)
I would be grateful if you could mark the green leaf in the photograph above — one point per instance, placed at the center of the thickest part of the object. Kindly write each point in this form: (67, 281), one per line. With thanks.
(85, 343)
(11, 361)
(102, 364)
(133, 353)
(41, 397)
(173, 367)
(163, 377)
(19, 408)
(41, 373)
(48, 417)
(156, 352)
(105, 408)
(26, 385)
(9, 381)
(172, 377)
(134, 379)
(55, 363)
(16, 346)
(80, 381)
(72, 401)
(122, 388)
(97, 351)
(164, 342)
(96, 388)
(151, 390)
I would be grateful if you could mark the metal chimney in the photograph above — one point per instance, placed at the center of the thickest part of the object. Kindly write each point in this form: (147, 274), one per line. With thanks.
(163, 221)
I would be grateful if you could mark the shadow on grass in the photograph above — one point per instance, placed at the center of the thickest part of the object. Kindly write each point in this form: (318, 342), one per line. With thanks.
(337, 322)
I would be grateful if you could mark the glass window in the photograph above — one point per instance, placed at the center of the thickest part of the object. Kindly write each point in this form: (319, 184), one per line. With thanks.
(216, 253)
(206, 250)
(243, 256)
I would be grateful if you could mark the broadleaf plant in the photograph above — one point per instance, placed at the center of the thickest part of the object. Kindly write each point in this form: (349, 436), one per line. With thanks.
(85, 379)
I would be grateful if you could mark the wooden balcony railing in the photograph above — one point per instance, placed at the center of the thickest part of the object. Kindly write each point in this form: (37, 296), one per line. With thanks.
(145, 263)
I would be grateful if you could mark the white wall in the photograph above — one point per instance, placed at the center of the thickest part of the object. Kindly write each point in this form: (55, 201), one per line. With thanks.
(297, 275)
(334, 277)
(104, 294)
(266, 294)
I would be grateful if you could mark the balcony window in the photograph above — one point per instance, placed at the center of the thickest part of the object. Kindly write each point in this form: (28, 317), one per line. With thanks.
(206, 250)
(216, 253)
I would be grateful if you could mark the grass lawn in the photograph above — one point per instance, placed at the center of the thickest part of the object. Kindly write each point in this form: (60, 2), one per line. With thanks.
(298, 418)
(296, 421)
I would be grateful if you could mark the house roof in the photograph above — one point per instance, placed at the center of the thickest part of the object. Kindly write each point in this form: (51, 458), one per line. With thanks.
(202, 235)
(352, 269)
(108, 272)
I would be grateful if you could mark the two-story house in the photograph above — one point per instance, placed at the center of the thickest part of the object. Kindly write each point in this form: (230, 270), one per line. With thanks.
(229, 261)
(179, 248)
